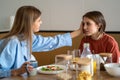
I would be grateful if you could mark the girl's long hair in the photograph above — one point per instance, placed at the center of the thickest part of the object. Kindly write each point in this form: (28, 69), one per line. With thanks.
(23, 22)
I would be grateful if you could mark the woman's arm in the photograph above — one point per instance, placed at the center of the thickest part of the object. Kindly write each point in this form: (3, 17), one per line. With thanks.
(41, 43)
(75, 33)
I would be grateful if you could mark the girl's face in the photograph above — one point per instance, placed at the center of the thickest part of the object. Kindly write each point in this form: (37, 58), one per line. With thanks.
(36, 24)
(90, 28)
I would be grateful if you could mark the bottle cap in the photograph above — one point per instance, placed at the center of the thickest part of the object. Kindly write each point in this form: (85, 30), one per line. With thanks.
(86, 45)
(84, 61)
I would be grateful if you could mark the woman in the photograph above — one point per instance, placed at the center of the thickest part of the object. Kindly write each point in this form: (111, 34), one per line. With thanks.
(17, 46)
(93, 25)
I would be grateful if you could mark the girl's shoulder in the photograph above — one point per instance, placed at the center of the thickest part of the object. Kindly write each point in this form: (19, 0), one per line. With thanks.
(108, 37)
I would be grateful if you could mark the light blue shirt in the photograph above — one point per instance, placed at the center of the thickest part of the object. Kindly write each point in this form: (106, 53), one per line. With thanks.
(13, 52)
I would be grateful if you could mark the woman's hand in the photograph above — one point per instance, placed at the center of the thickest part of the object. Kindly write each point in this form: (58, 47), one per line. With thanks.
(23, 69)
(81, 27)
(77, 32)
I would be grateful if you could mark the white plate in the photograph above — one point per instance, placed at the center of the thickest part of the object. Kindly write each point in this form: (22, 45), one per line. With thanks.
(50, 72)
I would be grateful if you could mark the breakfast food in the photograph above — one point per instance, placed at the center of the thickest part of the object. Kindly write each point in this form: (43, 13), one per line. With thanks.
(84, 75)
(51, 68)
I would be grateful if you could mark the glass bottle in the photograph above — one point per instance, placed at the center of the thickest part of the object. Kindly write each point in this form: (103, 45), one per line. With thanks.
(87, 53)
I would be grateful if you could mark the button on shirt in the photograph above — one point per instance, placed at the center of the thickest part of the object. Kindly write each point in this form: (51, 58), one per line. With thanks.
(14, 52)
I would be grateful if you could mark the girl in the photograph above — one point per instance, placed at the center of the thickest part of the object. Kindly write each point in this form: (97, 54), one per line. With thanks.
(93, 25)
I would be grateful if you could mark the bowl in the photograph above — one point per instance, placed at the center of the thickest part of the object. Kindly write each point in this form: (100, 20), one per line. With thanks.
(113, 69)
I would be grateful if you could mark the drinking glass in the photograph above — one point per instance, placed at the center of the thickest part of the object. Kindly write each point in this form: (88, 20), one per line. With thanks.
(106, 58)
(64, 59)
(95, 63)
(75, 57)
(33, 63)
(76, 53)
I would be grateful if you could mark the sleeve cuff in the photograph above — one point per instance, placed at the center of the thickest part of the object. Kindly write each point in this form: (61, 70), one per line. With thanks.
(68, 39)
(5, 73)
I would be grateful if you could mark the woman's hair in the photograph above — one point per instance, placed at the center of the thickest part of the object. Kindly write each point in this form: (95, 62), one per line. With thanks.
(24, 19)
(98, 18)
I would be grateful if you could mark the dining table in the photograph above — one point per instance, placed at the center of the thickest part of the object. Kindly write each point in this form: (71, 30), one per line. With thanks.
(100, 75)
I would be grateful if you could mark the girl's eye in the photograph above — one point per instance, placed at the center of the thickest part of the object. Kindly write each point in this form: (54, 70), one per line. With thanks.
(87, 23)
(83, 24)
(39, 20)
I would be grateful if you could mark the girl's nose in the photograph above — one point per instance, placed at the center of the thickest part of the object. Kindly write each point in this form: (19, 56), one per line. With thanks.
(84, 27)
(40, 22)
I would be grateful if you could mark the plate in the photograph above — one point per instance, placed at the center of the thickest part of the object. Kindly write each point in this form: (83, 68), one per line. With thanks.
(40, 69)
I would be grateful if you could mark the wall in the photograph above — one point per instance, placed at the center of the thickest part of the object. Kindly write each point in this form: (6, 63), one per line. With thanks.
(63, 15)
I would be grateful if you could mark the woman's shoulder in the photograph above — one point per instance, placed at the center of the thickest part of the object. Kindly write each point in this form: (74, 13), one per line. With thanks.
(10, 40)
(13, 39)
(9, 43)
